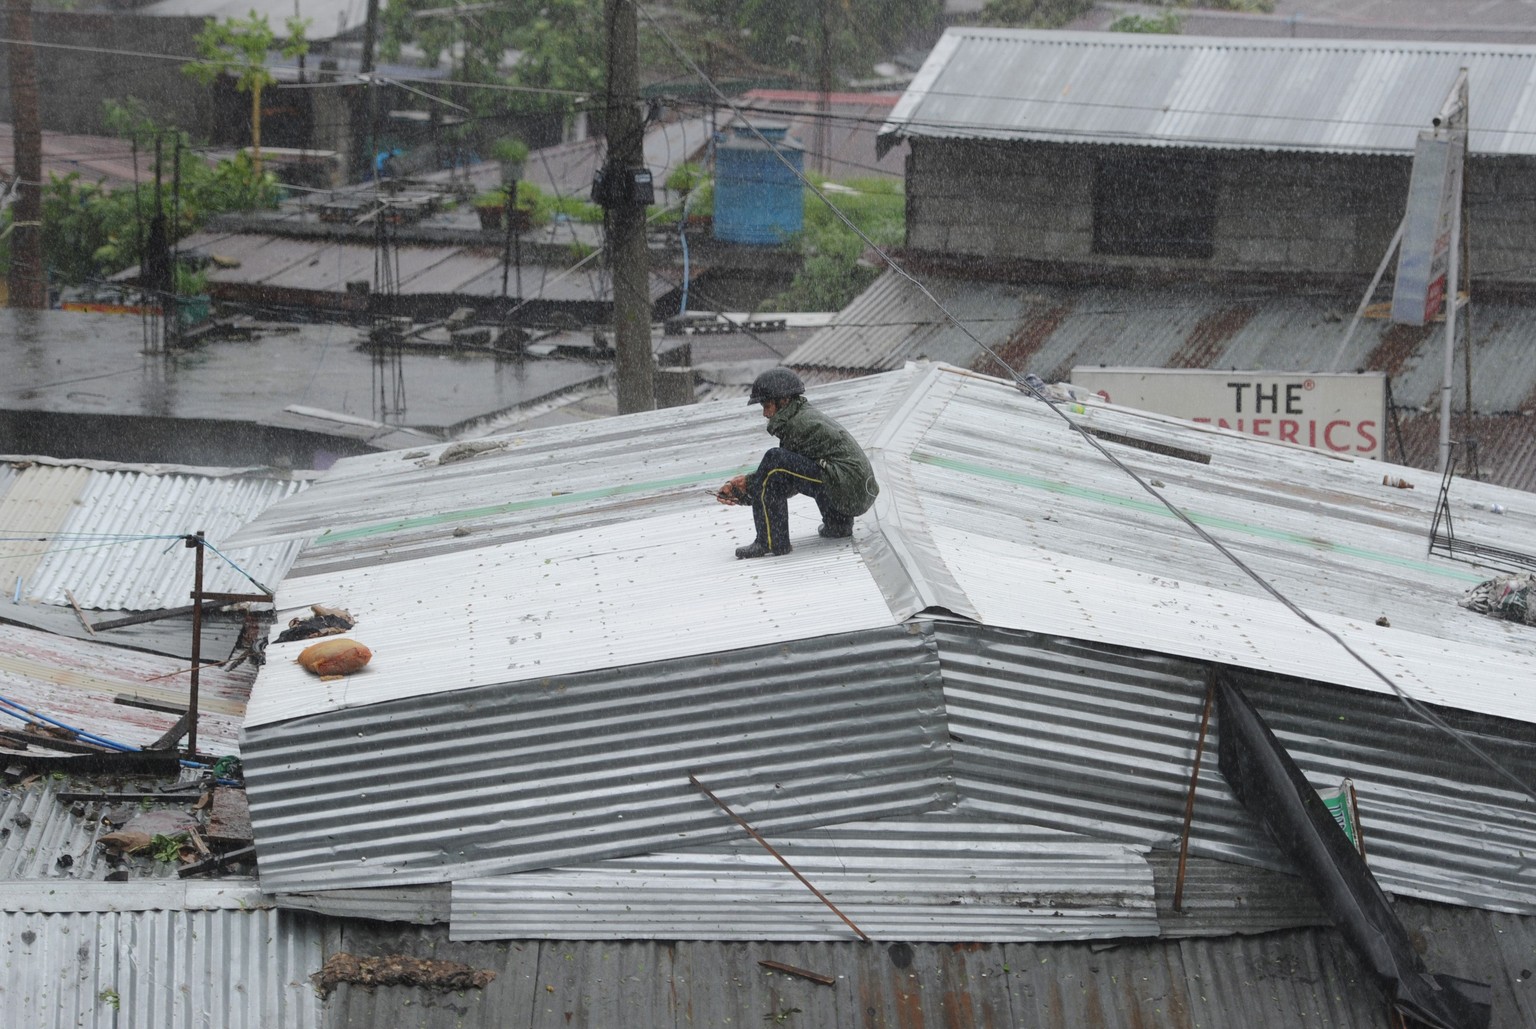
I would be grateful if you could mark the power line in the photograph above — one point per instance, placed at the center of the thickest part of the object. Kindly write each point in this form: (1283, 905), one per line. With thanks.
(1023, 385)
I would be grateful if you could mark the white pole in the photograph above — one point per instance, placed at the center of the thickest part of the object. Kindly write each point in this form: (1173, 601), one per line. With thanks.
(1452, 280)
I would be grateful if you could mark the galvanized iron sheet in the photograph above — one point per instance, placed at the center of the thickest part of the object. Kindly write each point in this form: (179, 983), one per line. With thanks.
(567, 768)
(77, 681)
(1299, 978)
(1274, 94)
(653, 588)
(106, 534)
(590, 476)
(232, 967)
(1043, 533)
(1101, 740)
(938, 879)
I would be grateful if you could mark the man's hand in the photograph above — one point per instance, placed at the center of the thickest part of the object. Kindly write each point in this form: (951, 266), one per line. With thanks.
(734, 491)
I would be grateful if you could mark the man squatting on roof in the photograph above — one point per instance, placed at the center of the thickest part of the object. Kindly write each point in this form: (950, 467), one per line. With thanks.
(815, 456)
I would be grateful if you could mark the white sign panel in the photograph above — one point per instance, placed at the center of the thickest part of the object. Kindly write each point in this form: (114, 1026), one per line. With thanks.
(1434, 204)
(1341, 413)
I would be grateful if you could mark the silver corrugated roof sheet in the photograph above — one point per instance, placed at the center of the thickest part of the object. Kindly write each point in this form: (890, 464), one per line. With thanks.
(991, 507)
(563, 768)
(105, 533)
(1099, 741)
(939, 879)
(1273, 94)
(229, 966)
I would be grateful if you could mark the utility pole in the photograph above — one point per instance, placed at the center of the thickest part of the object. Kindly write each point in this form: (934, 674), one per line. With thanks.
(28, 287)
(824, 94)
(625, 191)
(370, 104)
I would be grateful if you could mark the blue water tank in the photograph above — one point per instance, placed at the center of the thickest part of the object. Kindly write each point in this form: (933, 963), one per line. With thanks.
(757, 199)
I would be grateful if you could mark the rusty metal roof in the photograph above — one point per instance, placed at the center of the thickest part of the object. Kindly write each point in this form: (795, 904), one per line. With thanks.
(1282, 979)
(1048, 329)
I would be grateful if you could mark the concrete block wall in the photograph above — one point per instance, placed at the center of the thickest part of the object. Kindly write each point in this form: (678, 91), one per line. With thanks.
(999, 201)
(1501, 218)
(74, 78)
(1277, 212)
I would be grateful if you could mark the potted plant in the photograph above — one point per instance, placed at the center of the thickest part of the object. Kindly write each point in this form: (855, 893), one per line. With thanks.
(686, 178)
(510, 154)
(491, 208)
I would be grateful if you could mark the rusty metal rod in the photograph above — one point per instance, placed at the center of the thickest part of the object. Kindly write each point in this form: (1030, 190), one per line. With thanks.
(769, 848)
(195, 544)
(1189, 799)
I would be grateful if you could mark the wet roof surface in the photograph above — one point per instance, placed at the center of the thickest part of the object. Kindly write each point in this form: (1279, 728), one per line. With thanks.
(80, 363)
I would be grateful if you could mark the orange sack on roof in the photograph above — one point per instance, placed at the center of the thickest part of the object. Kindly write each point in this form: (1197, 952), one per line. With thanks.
(335, 656)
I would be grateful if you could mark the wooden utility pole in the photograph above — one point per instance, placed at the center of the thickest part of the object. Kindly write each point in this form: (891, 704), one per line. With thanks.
(824, 94)
(28, 286)
(624, 215)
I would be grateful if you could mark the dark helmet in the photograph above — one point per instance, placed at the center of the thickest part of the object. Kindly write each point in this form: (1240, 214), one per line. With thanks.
(776, 384)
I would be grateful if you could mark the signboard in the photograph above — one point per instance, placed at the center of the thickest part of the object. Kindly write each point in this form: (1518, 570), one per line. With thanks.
(1434, 204)
(1340, 413)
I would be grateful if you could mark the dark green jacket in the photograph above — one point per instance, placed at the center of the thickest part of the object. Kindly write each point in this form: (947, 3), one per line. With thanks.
(851, 483)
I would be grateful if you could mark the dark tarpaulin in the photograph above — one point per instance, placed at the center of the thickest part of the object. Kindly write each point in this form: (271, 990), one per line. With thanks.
(1274, 791)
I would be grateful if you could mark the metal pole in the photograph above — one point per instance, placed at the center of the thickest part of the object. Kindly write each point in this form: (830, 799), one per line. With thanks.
(1189, 799)
(769, 848)
(1452, 280)
(196, 543)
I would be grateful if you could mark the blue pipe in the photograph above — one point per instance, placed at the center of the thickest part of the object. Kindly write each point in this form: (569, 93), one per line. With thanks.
(79, 733)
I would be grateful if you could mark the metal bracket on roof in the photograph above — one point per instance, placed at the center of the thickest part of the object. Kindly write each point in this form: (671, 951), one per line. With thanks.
(1442, 533)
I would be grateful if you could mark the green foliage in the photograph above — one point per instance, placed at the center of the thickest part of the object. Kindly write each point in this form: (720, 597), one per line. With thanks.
(239, 46)
(110, 998)
(167, 848)
(1169, 23)
(513, 151)
(1038, 14)
(686, 178)
(542, 207)
(831, 274)
(554, 40)
(90, 232)
(784, 36)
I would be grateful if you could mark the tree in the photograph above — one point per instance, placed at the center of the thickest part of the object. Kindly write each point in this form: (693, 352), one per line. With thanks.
(238, 47)
(1169, 23)
(785, 34)
(559, 43)
(1040, 14)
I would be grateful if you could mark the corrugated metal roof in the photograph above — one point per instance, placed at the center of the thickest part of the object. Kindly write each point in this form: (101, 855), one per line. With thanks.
(558, 605)
(1049, 329)
(239, 968)
(76, 681)
(1506, 448)
(1013, 497)
(939, 879)
(1303, 977)
(106, 533)
(327, 265)
(1100, 741)
(991, 506)
(568, 767)
(1273, 94)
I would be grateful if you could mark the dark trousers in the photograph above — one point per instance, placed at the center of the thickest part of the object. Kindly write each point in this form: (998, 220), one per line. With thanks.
(780, 475)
